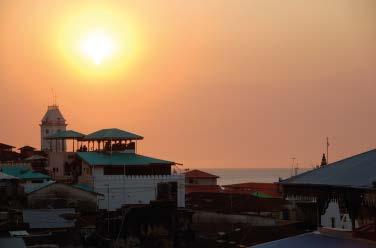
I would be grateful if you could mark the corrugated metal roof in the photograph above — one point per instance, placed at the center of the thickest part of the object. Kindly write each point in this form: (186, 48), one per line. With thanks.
(48, 218)
(68, 134)
(119, 159)
(12, 242)
(358, 171)
(314, 240)
(112, 134)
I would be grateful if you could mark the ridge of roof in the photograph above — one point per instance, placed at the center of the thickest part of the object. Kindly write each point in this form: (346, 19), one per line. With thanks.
(112, 134)
(119, 159)
(199, 174)
(328, 165)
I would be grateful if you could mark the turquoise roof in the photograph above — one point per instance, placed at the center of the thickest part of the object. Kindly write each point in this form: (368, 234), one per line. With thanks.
(23, 172)
(29, 188)
(68, 134)
(112, 134)
(85, 187)
(119, 159)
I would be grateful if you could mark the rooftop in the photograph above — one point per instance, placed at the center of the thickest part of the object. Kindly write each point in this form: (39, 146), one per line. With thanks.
(199, 174)
(48, 218)
(314, 240)
(5, 146)
(12, 242)
(23, 172)
(29, 188)
(263, 190)
(358, 171)
(112, 134)
(68, 134)
(27, 148)
(119, 159)
(4, 176)
(53, 116)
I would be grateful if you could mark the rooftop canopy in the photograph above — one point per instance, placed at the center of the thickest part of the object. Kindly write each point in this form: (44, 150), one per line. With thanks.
(68, 134)
(358, 171)
(112, 134)
(119, 159)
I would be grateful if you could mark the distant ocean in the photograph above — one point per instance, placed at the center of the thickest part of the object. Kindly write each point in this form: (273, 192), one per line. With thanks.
(266, 175)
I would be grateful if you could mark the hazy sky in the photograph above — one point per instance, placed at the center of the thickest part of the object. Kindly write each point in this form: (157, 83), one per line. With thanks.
(214, 83)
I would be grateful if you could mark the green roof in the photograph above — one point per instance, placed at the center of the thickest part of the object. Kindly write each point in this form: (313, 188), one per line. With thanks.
(112, 134)
(119, 159)
(261, 195)
(23, 172)
(68, 134)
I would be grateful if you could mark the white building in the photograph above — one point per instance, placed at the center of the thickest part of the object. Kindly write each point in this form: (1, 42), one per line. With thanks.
(107, 162)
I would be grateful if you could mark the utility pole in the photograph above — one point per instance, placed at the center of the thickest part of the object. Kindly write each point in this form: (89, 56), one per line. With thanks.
(108, 207)
(327, 150)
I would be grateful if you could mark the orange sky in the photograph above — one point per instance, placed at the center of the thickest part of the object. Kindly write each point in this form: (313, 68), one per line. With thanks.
(211, 83)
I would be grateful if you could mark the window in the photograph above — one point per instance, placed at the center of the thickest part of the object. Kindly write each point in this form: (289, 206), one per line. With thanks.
(47, 131)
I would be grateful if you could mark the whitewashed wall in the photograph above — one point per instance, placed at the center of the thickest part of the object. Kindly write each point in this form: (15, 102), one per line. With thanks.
(133, 189)
(340, 221)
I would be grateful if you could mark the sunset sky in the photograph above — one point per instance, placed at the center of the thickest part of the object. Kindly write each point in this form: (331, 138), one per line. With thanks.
(214, 83)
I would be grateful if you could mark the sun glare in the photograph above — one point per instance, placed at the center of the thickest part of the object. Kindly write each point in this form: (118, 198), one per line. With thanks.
(97, 45)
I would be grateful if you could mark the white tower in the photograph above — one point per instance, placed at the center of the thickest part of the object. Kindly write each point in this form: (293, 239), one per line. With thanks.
(52, 122)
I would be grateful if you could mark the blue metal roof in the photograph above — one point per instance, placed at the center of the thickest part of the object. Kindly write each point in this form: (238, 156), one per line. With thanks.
(358, 171)
(119, 159)
(315, 240)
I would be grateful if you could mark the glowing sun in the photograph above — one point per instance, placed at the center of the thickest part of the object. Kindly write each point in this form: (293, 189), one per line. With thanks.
(97, 45)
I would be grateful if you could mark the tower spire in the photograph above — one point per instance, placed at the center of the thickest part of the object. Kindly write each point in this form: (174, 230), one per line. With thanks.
(323, 160)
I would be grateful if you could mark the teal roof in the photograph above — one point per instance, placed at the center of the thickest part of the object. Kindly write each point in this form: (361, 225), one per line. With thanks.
(30, 175)
(23, 172)
(29, 188)
(261, 195)
(119, 159)
(68, 134)
(85, 187)
(112, 134)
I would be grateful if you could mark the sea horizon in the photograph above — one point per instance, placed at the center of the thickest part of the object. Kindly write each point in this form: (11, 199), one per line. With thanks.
(243, 175)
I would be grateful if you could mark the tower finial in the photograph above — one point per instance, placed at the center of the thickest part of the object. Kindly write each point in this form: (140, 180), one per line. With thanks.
(323, 160)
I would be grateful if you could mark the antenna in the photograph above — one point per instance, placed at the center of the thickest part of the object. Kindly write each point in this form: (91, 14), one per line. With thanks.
(54, 97)
(292, 166)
